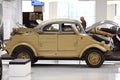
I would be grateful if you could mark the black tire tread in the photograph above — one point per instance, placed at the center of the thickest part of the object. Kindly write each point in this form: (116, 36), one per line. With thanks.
(94, 50)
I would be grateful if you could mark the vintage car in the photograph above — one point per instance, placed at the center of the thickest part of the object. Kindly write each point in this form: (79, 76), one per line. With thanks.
(57, 39)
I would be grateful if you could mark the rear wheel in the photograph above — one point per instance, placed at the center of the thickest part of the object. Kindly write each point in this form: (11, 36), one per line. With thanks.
(24, 53)
(94, 58)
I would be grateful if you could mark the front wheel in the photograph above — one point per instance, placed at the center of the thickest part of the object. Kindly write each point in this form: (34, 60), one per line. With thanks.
(94, 58)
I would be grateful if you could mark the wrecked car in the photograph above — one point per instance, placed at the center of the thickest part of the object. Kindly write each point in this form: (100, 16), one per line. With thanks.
(57, 39)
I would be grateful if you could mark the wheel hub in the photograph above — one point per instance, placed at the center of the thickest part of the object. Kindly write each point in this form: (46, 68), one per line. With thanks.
(94, 58)
(23, 55)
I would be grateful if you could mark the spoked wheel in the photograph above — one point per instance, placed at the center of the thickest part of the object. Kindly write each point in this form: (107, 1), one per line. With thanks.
(94, 58)
(24, 53)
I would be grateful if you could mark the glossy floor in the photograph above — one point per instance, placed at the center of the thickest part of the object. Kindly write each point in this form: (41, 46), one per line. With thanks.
(67, 70)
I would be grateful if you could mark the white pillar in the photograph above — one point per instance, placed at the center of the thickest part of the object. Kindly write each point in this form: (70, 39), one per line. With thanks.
(55, 10)
(46, 11)
(50, 10)
(53, 6)
(7, 18)
(101, 10)
(12, 14)
(111, 11)
(19, 12)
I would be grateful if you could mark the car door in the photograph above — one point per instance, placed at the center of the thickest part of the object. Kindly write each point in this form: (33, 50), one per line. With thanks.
(67, 41)
(48, 40)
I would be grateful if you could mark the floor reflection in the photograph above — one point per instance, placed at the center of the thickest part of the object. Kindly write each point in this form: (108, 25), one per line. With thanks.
(109, 71)
(27, 77)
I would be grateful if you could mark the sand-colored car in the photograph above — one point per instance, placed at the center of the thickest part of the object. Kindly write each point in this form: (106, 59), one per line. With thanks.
(57, 39)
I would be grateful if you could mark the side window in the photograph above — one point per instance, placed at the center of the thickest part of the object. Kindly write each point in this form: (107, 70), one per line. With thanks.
(51, 28)
(67, 27)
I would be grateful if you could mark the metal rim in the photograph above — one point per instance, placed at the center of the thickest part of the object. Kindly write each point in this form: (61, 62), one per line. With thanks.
(94, 58)
(23, 55)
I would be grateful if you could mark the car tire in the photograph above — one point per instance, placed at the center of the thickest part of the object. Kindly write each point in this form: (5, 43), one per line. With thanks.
(94, 58)
(24, 53)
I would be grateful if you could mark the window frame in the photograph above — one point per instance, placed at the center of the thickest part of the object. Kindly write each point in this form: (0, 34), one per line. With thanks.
(67, 32)
(51, 31)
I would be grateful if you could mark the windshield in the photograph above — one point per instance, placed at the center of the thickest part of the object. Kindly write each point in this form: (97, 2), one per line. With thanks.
(80, 29)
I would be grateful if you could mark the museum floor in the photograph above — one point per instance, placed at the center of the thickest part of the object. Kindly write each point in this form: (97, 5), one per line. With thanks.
(67, 70)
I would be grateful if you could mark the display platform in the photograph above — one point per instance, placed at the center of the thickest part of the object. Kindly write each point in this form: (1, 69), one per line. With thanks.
(19, 67)
(6, 57)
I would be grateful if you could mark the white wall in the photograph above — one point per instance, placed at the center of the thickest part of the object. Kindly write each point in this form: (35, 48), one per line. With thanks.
(111, 11)
(101, 10)
(67, 9)
(11, 15)
(27, 7)
(46, 11)
(53, 10)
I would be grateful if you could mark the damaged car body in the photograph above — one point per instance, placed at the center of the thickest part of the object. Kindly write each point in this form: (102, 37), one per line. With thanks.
(57, 39)
(107, 31)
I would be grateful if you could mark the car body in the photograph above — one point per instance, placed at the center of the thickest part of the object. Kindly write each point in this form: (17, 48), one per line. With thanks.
(57, 39)
(106, 30)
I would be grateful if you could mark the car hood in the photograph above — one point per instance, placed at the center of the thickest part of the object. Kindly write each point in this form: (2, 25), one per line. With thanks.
(22, 30)
(95, 25)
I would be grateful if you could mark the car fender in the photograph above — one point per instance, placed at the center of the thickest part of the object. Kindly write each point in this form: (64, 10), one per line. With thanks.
(24, 44)
(99, 47)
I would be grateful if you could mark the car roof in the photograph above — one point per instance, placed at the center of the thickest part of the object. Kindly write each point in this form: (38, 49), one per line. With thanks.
(58, 20)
